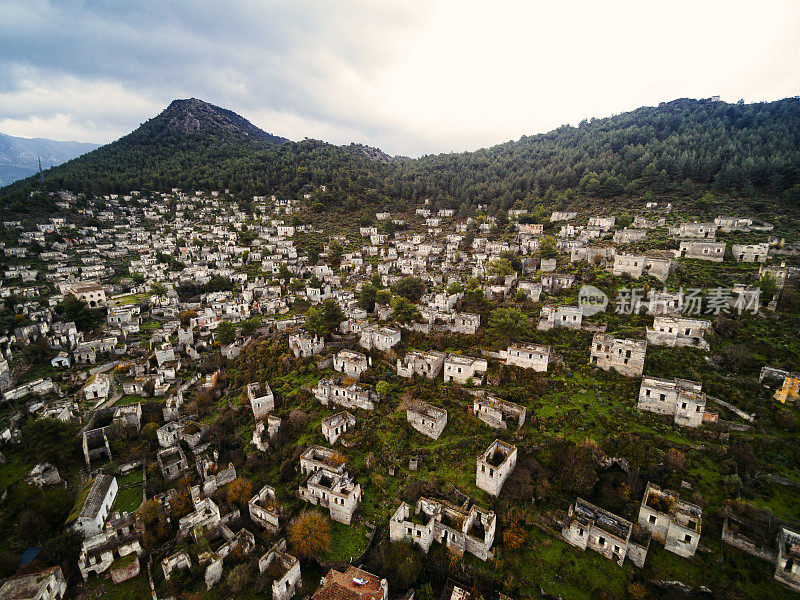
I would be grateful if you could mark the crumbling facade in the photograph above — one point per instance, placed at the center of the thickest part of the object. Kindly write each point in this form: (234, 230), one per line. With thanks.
(427, 419)
(465, 528)
(623, 355)
(528, 356)
(334, 426)
(678, 331)
(671, 521)
(426, 364)
(678, 398)
(494, 466)
(463, 368)
(590, 527)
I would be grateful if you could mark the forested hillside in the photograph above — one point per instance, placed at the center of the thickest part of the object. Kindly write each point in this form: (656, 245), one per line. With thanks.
(680, 147)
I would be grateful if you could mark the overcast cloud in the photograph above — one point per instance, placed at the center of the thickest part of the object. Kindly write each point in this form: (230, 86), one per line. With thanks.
(408, 76)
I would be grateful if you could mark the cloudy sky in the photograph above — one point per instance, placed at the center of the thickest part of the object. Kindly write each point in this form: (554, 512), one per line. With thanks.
(409, 76)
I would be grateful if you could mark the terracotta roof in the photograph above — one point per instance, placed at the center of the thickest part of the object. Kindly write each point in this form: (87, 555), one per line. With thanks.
(353, 584)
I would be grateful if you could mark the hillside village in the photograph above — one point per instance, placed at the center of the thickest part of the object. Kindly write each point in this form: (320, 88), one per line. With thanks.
(210, 398)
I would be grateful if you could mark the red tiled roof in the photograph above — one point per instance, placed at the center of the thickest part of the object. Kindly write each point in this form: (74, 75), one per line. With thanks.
(342, 586)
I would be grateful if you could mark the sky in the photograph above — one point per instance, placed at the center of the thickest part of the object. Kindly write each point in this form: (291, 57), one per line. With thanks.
(411, 77)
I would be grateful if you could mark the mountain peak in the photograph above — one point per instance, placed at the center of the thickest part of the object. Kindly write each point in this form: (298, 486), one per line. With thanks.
(193, 116)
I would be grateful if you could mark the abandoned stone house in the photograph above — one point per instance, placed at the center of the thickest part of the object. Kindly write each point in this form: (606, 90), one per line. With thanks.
(461, 529)
(532, 290)
(494, 466)
(49, 584)
(179, 560)
(332, 490)
(173, 462)
(98, 388)
(562, 216)
(206, 515)
(95, 445)
(760, 534)
(303, 345)
(335, 425)
(603, 223)
(701, 250)
(528, 356)
(347, 396)
(265, 429)
(728, 224)
(593, 254)
(352, 364)
(97, 505)
(640, 222)
(264, 509)
(663, 302)
(99, 552)
(787, 564)
(623, 355)
(671, 521)
(568, 317)
(315, 458)
(781, 273)
(283, 569)
(498, 413)
(628, 236)
(262, 401)
(750, 252)
(91, 293)
(465, 323)
(380, 338)
(678, 331)
(427, 364)
(695, 230)
(463, 368)
(589, 526)
(678, 398)
(637, 265)
(429, 420)
(556, 282)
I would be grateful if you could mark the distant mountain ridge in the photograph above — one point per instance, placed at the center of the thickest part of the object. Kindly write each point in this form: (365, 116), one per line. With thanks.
(677, 150)
(19, 156)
